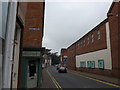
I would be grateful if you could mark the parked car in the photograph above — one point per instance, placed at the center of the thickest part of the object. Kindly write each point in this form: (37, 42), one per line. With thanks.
(57, 67)
(62, 69)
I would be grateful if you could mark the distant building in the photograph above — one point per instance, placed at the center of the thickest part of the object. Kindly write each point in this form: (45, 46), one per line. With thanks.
(64, 56)
(98, 51)
(47, 58)
(30, 72)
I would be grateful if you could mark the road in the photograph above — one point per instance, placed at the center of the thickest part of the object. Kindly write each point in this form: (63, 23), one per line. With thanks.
(71, 80)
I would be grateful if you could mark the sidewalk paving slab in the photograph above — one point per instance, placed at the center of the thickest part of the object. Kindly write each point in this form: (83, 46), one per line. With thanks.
(46, 80)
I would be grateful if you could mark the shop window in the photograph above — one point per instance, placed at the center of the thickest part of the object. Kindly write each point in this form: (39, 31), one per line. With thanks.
(98, 34)
(32, 69)
(83, 64)
(101, 64)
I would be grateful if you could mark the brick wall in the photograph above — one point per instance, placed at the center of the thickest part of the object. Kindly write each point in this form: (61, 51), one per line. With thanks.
(119, 39)
(34, 20)
(97, 44)
(113, 22)
(71, 57)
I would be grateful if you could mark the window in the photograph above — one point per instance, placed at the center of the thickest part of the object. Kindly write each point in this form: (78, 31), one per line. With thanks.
(88, 64)
(88, 40)
(82, 64)
(101, 64)
(92, 38)
(32, 68)
(78, 45)
(92, 64)
(98, 34)
(84, 42)
(81, 43)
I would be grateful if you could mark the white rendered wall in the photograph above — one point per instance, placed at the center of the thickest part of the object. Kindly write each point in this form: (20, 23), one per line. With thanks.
(104, 54)
(9, 44)
(16, 60)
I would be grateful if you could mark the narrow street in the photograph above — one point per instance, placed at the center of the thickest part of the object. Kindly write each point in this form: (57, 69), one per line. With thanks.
(72, 80)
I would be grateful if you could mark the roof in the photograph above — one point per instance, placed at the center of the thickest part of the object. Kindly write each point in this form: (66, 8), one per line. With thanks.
(112, 5)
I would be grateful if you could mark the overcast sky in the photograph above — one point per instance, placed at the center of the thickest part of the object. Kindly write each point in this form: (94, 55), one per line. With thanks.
(66, 22)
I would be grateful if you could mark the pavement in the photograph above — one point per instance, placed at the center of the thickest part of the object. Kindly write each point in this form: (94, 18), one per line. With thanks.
(47, 81)
(99, 77)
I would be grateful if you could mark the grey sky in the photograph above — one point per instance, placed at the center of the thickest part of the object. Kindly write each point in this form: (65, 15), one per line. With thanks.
(66, 22)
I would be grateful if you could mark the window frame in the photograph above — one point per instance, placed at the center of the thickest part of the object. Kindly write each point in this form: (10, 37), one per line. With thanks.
(103, 64)
(88, 39)
(92, 38)
(99, 35)
(81, 66)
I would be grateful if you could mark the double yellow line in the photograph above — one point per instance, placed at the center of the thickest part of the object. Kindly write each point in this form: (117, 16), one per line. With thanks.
(114, 85)
(54, 81)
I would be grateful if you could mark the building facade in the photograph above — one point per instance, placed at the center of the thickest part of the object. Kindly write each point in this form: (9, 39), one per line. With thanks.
(64, 56)
(98, 51)
(12, 26)
(30, 70)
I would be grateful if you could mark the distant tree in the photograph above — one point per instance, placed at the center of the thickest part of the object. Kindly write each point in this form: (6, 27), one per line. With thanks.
(55, 58)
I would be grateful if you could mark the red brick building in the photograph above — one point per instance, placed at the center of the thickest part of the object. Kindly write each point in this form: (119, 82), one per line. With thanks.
(64, 55)
(98, 51)
(33, 32)
(32, 51)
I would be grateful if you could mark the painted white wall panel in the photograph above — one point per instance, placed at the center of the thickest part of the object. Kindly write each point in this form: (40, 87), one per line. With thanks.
(104, 54)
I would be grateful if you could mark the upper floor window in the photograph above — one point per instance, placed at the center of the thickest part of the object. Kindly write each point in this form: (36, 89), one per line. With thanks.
(84, 42)
(88, 40)
(92, 38)
(78, 45)
(98, 34)
(81, 43)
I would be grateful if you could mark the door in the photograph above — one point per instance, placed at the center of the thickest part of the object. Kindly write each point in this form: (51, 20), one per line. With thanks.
(32, 73)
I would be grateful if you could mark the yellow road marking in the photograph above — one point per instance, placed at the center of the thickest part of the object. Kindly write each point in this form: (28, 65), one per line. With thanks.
(118, 86)
(54, 81)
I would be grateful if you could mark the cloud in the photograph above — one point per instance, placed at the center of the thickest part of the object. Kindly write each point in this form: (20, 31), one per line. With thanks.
(66, 22)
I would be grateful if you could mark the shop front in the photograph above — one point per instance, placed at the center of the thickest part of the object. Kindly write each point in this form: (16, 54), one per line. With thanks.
(31, 68)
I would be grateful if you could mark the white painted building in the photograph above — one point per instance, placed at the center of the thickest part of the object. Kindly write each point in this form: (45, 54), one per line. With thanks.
(104, 54)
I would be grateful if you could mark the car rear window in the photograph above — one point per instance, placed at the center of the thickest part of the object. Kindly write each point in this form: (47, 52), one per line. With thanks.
(62, 67)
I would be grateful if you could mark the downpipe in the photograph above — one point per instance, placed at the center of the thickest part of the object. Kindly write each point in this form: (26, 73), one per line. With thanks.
(9, 44)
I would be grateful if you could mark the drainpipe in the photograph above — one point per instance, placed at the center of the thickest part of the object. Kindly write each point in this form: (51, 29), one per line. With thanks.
(9, 44)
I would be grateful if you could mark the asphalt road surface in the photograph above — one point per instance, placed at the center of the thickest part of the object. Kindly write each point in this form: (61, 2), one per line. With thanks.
(70, 80)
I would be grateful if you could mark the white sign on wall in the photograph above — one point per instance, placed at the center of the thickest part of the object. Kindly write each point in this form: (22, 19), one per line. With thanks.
(31, 53)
